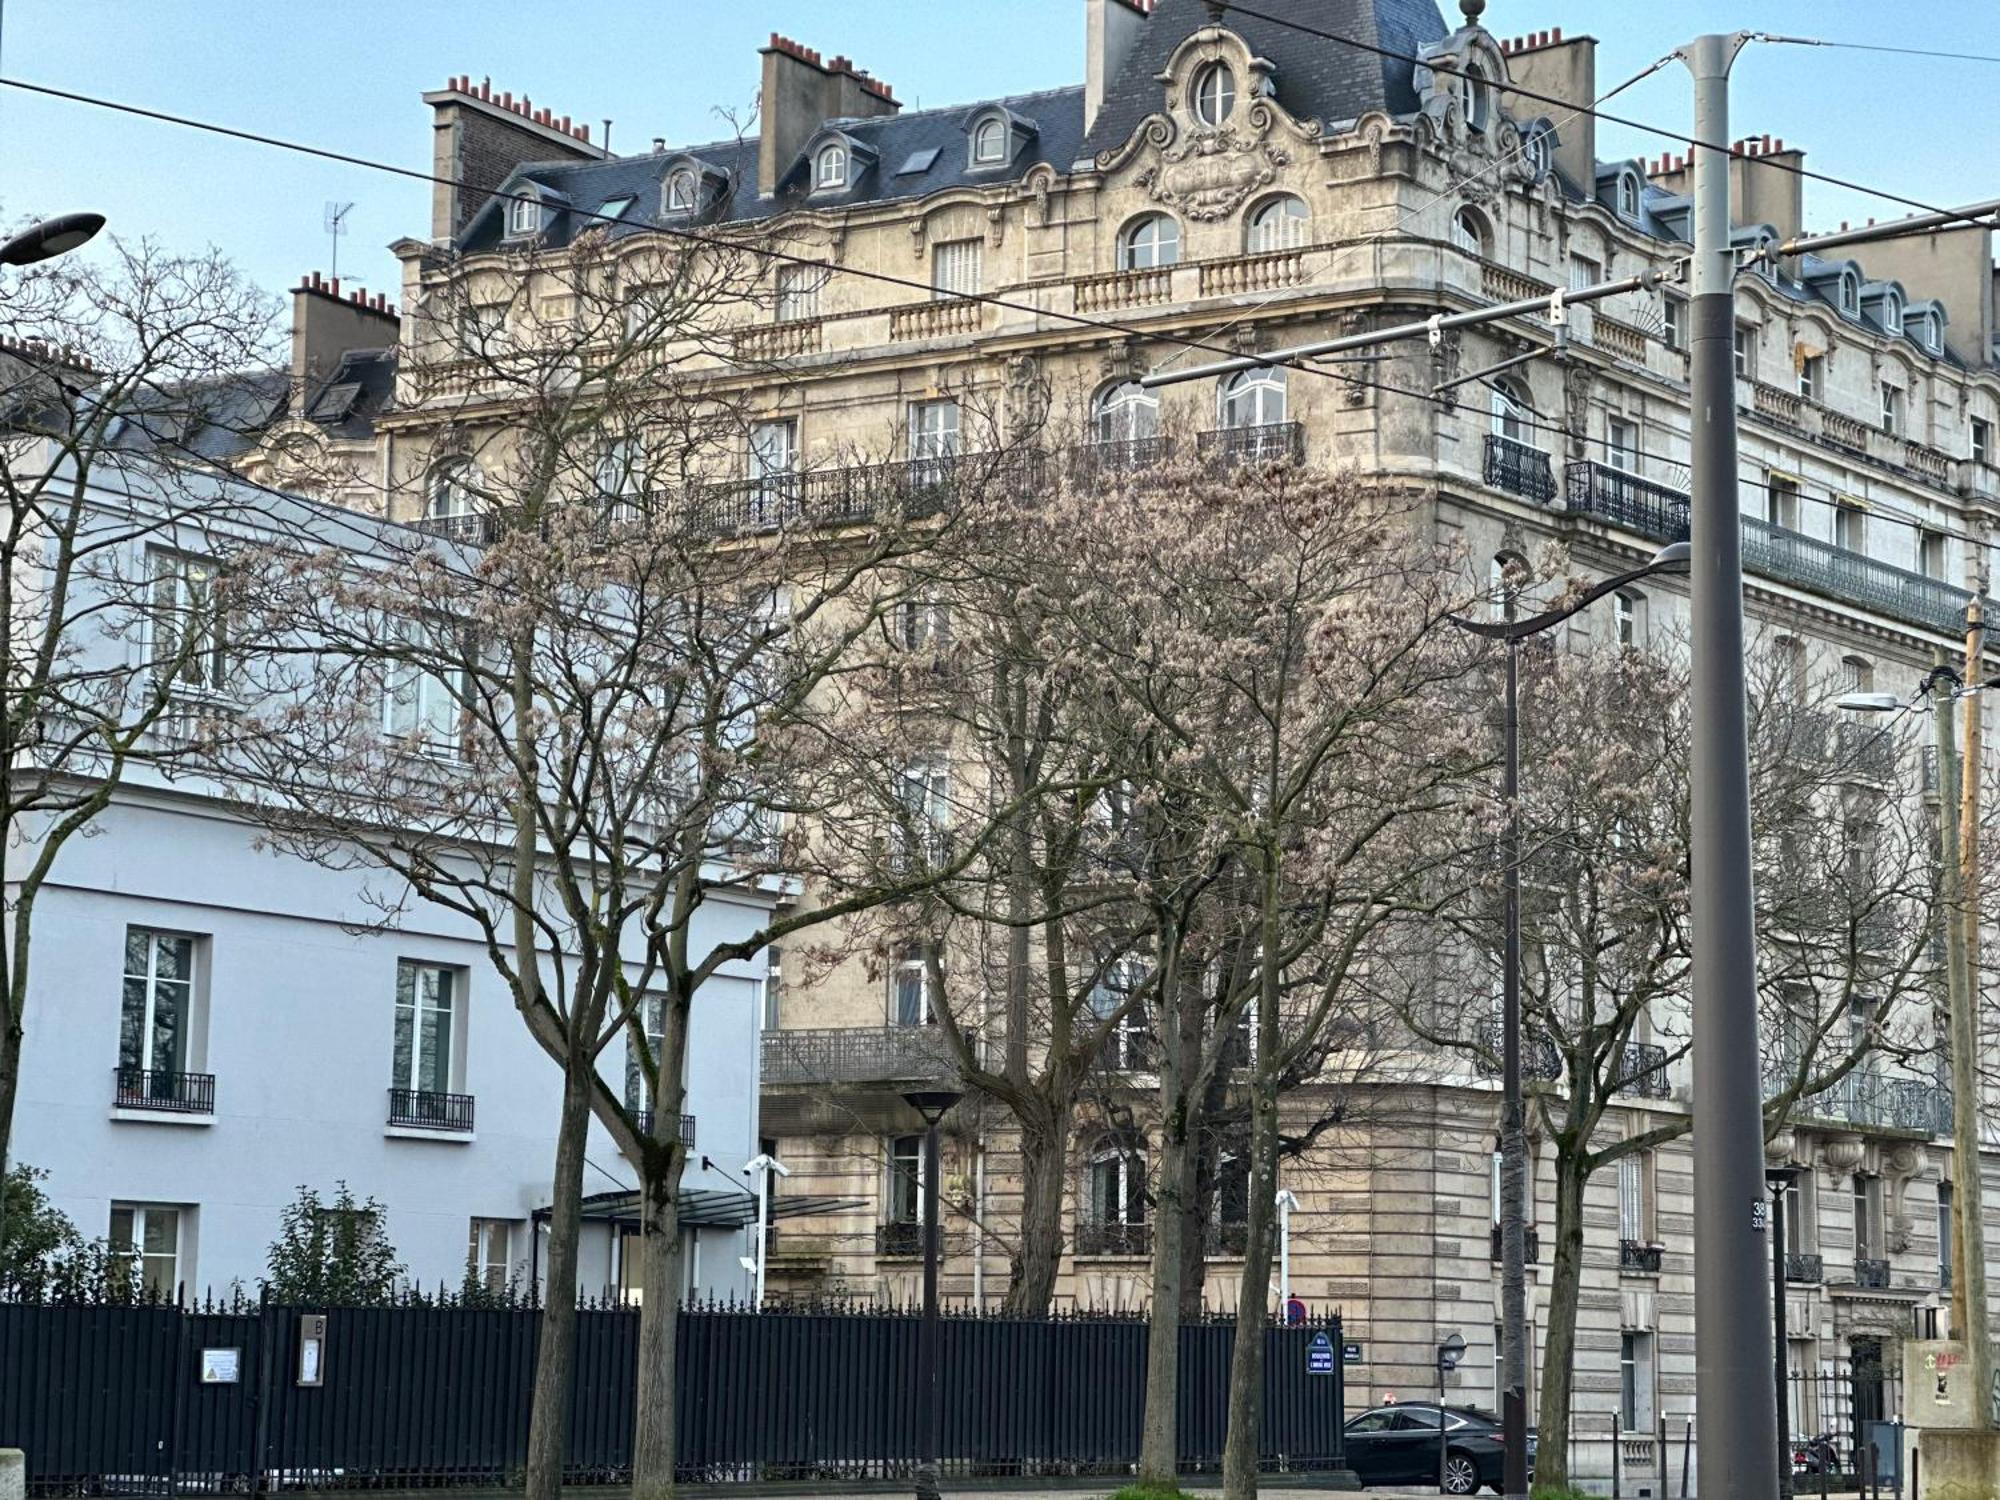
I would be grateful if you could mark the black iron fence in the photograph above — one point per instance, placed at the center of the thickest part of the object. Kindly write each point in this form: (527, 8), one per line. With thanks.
(421, 1109)
(154, 1088)
(164, 1401)
(1845, 1416)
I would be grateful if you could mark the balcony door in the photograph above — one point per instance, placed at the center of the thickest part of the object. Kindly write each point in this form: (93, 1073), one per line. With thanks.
(426, 1006)
(158, 1003)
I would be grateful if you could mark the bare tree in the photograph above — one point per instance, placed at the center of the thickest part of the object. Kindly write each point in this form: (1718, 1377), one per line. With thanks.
(116, 374)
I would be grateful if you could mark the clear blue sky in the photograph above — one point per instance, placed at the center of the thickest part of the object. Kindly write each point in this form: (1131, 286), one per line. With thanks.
(349, 77)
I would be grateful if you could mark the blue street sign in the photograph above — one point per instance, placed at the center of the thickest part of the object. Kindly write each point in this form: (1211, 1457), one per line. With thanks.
(1319, 1355)
(1350, 1354)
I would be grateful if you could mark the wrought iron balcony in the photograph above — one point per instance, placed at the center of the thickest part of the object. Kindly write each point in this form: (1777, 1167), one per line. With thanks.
(1871, 1273)
(1226, 1239)
(1642, 1070)
(1267, 442)
(478, 527)
(1866, 750)
(1534, 1239)
(168, 1092)
(1540, 1058)
(1871, 1101)
(1519, 469)
(1639, 1257)
(1118, 456)
(858, 1054)
(1660, 512)
(421, 1110)
(899, 1239)
(643, 1119)
(1113, 1239)
(1807, 1270)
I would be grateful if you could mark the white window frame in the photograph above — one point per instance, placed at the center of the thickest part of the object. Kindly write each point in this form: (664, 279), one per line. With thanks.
(830, 167)
(904, 1169)
(1933, 553)
(1850, 526)
(488, 1246)
(452, 489)
(1255, 398)
(183, 595)
(1622, 444)
(1743, 348)
(956, 268)
(773, 450)
(1812, 376)
(1628, 195)
(1637, 1356)
(923, 623)
(1536, 154)
(1478, 97)
(934, 430)
(1468, 232)
(1980, 440)
(1280, 223)
(683, 191)
(923, 787)
(1850, 296)
(420, 705)
(1781, 500)
(1892, 409)
(1673, 322)
(910, 978)
(159, 994)
(990, 132)
(1892, 313)
(1127, 1179)
(1150, 242)
(1635, 1219)
(413, 1070)
(1125, 413)
(1212, 94)
(1512, 412)
(1627, 610)
(524, 215)
(141, 1218)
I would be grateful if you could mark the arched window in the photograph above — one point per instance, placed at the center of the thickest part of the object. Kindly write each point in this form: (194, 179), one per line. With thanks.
(1850, 294)
(681, 192)
(1214, 93)
(1149, 241)
(1114, 1203)
(1892, 313)
(453, 489)
(989, 143)
(1857, 675)
(1536, 154)
(1126, 413)
(1255, 398)
(1628, 195)
(1513, 414)
(1279, 224)
(830, 166)
(1478, 97)
(1468, 231)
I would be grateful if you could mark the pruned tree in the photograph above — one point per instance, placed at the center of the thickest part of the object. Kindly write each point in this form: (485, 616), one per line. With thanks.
(115, 372)
(332, 1253)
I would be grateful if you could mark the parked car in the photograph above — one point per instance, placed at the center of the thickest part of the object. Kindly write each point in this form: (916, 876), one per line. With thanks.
(1399, 1445)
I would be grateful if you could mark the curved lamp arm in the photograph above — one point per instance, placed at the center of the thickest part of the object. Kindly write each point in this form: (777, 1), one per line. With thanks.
(1671, 559)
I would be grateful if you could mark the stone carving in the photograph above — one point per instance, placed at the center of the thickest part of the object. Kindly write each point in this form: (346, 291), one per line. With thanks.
(1841, 1154)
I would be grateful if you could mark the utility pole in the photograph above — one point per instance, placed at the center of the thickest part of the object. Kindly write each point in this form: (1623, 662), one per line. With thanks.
(1513, 1125)
(1961, 904)
(1733, 1344)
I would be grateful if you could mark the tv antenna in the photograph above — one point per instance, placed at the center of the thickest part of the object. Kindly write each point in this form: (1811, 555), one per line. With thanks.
(336, 226)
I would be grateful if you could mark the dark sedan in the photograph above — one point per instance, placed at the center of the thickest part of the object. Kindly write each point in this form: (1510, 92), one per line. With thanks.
(1400, 1445)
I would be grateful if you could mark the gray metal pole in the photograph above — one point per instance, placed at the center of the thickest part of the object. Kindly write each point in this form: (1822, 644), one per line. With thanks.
(930, 1394)
(1733, 1354)
(1513, 1135)
(1781, 1184)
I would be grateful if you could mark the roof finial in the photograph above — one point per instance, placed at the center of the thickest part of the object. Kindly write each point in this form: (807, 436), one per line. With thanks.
(1473, 10)
(1215, 10)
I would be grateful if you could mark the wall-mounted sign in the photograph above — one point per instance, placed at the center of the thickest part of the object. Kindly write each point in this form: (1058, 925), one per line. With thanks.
(312, 1349)
(221, 1366)
(1319, 1355)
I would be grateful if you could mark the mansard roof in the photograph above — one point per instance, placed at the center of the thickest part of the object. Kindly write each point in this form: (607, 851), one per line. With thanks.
(1313, 78)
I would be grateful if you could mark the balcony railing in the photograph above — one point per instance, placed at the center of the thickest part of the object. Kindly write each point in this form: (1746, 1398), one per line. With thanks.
(1639, 1257)
(421, 1110)
(1534, 1251)
(1265, 272)
(1661, 513)
(170, 1093)
(1267, 442)
(1866, 750)
(1871, 1273)
(858, 1054)
(1226, 1239)
(1642, 1070)
(1115, 289)
(830, 497)
(1118, 456)
(1807, 1270)
(1519, 469)
(479, 527)
(1869, 1100)
(1113, 1239)
(899, 1239)
(1540, 1058)
(643, 1119)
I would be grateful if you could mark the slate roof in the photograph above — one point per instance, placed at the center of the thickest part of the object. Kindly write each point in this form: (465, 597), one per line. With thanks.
(348, 401)
(1315, 79)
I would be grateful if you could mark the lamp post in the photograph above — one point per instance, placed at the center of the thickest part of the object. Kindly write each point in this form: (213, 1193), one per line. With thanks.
(1513, 1125)
(1449, 1353)
(1780, 1180)
(933, 1105)
(1942, 688)
(50, 238)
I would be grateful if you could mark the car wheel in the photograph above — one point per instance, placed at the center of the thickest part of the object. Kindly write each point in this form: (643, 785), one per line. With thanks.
(1461, 1474)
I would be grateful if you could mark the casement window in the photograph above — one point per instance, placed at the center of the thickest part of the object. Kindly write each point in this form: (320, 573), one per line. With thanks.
(1982, 441)
(1116, 1186)
(1850, 296)
(1892, 409)
(933, 429)
(1635, 1198)
(798, 292)
(1931, 553)
(1125, 1049)
(452, 490)
(1279, 224)
(1214, 93)
(145, 1238)
(1255, 398)
(1126, 413)
(421, 706)
(1149, 242)
(1892, 314)
(653, 1026)
(906, 1180)
(830, 166)
(922, 624)
(1478, 97)
(1812, 376)
(486, 1253)
(427, 1024)
(1635, 1381)
(1622, 444)
(1513, 415)
(1628, 196)
(1627, 617)
(911, 1001)
(524, 215)
(1781, 500)
(157, 1041)
(1468, 232)
(774, 465)
(989, 143)
(621, 481)
(1745, 344)
(682, 192)
(1796, 1203)
(1673, 323)
(189, 640)
(774, 994)
(955, 268)
(1868, 1236)
(1583, 273)
(922, 837)
(1944, 1233)
(1850, 526)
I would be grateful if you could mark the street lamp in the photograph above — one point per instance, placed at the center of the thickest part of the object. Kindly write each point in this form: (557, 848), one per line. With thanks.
(1780, 1179)
(1513, 1130)
(933, 1105)
(50, 238)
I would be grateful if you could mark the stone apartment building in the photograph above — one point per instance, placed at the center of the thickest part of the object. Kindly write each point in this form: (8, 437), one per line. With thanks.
(1233, 180)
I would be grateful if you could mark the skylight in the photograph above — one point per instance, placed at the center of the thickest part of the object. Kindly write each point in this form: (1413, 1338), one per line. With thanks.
(918, 161)
(614, 208)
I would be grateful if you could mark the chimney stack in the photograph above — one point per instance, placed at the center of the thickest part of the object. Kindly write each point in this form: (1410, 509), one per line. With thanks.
(1562, 68)
(326, 325)
(1110, 27)
(478, 136)
(800, 94)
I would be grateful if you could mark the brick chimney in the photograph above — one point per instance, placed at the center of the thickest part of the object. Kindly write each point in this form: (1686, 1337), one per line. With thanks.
(1110, 27)
(479, 136)
(800, 94)
(327, 324)
(1546, 63)
(1764, 182)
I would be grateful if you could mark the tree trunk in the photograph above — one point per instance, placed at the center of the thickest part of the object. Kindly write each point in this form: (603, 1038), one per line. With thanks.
(1159, 1442)
(659, 1318)
(555, 1351)
(11, 1037)
(1559, 1338)
(1031, 1281)
(1253, 1302)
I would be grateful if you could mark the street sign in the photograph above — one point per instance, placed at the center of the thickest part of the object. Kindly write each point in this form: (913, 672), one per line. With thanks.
(1350, 1354)
(1295, 1310)
(1319, 1355)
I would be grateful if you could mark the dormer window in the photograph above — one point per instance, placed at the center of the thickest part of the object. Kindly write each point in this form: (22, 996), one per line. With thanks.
(1892, 314)
(1850, 296)
(524, 216)
(682, 192)
(1478, 97)
(830, 166)
(989, 143)
(1535, 155)
(1214, 93)
(1628, 195)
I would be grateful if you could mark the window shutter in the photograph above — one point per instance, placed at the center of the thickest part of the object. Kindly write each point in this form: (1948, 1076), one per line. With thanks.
(955, 268)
